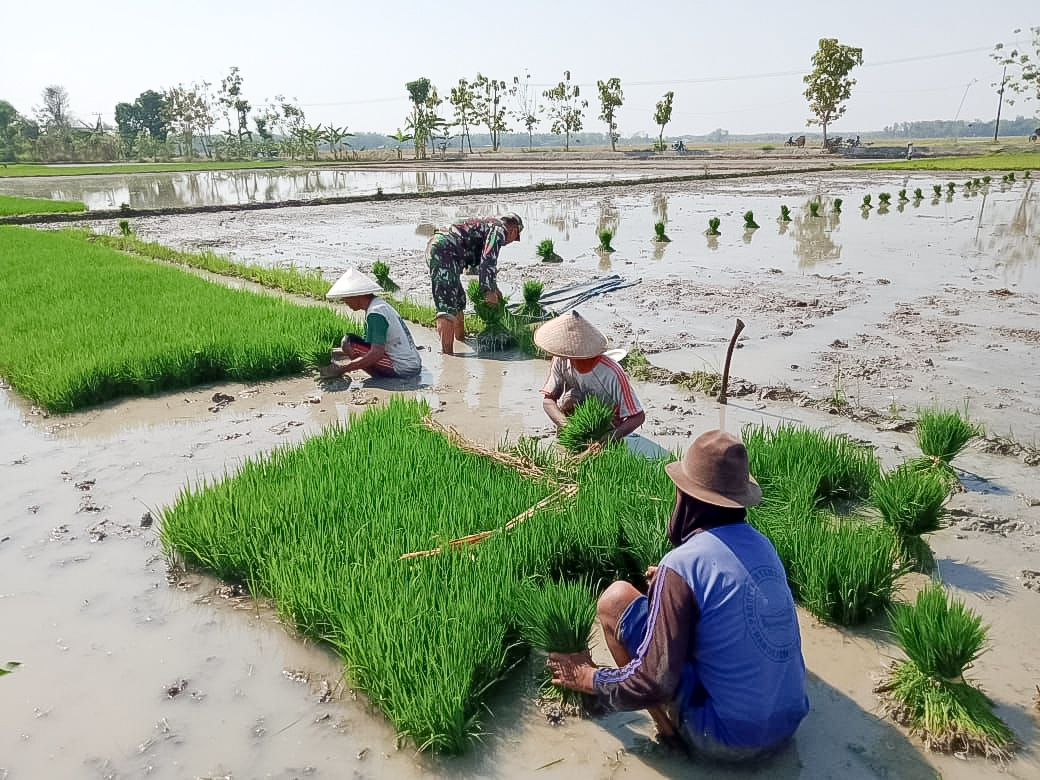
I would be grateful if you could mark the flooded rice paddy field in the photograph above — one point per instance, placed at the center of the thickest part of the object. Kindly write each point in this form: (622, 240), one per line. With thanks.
(129, 672)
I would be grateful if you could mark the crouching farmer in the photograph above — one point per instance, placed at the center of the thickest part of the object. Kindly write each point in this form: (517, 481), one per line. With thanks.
(387, 348)
(714, 651)
(579, 369)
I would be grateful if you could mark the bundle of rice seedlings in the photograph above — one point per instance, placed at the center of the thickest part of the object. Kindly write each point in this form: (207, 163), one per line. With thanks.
(605, 237)
(381, 271)
(556, 617)
(942, 434)
(659, 234)
(547, 251)
(749, 220)
(941, 638)
(591, 421)
(912, 501)
(532, 306)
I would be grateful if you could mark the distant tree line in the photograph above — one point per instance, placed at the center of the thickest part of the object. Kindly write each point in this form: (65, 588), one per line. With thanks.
(485, 112)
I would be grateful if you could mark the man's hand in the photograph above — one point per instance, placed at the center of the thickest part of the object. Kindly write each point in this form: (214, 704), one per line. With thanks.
(651, 572)
(573, 670)
(491, 297)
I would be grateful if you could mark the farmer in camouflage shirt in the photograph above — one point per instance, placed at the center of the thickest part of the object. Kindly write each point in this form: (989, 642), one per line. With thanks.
(475, 242)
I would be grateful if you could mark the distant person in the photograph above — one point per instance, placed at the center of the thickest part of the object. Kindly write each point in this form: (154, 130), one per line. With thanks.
(473, 242)
(909, 149)
(387, 348)
(579, 369)
(714, 651)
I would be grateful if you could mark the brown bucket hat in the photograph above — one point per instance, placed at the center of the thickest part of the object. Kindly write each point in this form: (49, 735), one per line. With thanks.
(571, 336)
(715, 470)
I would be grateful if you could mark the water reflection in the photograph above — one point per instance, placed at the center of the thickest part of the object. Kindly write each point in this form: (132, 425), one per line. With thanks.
(1016, 243)
(218, 188)
(812, 231)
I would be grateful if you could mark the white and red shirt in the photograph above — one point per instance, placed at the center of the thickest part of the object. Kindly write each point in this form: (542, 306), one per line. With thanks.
(607, 381)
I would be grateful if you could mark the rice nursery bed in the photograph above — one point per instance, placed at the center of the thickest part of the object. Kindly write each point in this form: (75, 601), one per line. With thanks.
(435, 585)
(10, 205)
(85, 324)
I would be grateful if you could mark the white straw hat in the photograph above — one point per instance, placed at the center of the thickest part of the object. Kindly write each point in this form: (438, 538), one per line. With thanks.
(352, 283)
(571, 336)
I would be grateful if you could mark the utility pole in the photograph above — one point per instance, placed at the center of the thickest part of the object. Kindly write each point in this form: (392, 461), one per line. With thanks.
(1000, 102)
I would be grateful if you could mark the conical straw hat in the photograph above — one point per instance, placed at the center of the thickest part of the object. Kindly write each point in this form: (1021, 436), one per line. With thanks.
(352, 283)
(571, 336)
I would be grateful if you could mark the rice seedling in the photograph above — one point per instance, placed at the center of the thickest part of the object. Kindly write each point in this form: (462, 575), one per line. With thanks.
(941, 435)
(911, 501)
(532, 306)
(902, 195)
(836, 205)
(605, 237)
(9, 667)
(918, 195)
(590, 422)
(950, 187)
(785, 213)
(937, 189)
(942, 638)
(713, 227)
(659, 234)
(749, 220)
(866, 202)
(124, 228)
(547, 252)
(885, 198)
(163, 330)
(986, 179)
(814, 208)
(556, 617)
(381, 271)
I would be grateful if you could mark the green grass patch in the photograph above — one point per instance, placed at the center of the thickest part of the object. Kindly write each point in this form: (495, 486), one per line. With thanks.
(39, 169)
(997, 161)
(10, 205)
(85, 324)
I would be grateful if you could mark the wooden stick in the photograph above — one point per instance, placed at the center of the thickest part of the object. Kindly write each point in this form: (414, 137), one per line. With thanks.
(567, 491)
(729, 357)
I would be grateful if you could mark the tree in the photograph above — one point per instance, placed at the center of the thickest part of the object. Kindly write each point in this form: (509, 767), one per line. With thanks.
(54, 114)
(188, 114)
(610, 99)
(150, 114)
(662, 116)
(565, 108)
(419, 93)
(829, 85)
(9, 122)
(335, 137)
(1024, 65)
(463, 100)
(488, 95)
(234, 105)
(526, 105)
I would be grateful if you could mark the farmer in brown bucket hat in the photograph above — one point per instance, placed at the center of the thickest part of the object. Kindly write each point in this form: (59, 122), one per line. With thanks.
(579, 369)
(714, 651)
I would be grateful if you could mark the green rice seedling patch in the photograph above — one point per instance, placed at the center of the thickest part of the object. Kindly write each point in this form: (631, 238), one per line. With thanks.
(941, 435)
(840, 564)
(85, 324)
(10, 205)
(38, 169)
(941, 638)
(424, 637)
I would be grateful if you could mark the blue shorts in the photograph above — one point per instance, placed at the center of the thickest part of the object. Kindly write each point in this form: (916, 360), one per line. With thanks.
(632, 627)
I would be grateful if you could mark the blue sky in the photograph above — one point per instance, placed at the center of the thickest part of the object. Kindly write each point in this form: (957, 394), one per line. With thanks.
(736, 66)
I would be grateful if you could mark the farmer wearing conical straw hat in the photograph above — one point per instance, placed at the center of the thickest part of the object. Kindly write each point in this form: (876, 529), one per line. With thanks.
(387, 348)
(474, 243)
(714, 651)
(580, 369)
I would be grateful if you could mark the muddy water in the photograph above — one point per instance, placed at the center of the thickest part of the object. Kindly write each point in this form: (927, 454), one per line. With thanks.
(105, 637)
(221, 188)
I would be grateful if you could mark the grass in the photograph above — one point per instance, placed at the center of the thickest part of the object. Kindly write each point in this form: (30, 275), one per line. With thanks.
(996, 161)
(40, 169)
(10, 205)
(85, 324)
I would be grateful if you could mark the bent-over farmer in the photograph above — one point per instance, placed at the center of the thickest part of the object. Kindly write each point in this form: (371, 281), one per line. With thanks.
(473, 242)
